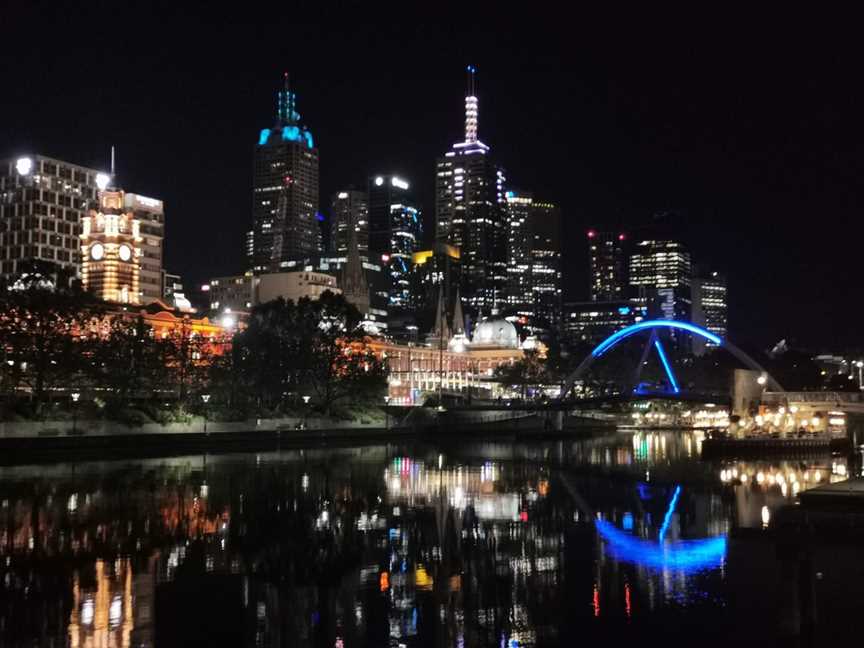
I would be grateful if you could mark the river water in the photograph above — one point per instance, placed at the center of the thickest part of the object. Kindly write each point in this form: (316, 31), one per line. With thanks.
(624, 537)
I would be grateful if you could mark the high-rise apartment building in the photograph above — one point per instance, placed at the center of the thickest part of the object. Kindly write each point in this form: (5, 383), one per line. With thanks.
(607, 265)
(469, 211)
(349, 208)
(150, 214)
(395, 232)
(533, 258)
(660, 274)
(709, 305)
(42, 204)
(285, 191)
(111, 250)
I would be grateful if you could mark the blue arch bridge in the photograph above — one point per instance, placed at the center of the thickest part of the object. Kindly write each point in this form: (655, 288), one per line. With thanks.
(651, 331)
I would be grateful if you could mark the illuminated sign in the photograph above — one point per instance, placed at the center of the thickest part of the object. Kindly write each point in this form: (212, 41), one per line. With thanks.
(397, 182)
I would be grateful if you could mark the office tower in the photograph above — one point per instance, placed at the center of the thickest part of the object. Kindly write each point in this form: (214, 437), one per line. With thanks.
(709, 305)
(349, 208)
(469, 211)
(518, 213)
(42, 204)
(150, 214)
(592, 322)
(660, 273)
(111, 250)
(395, 231)
(607, 265)
(285, 190)
(533, 259)
(544, 278)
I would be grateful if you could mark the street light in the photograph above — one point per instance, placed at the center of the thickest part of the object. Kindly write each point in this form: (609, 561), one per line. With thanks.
(306, 411)
(75, 397)
(386, 414)
(206, 399)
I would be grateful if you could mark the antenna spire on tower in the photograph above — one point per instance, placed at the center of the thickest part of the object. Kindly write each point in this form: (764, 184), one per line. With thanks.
(112, 161)
(285, 103)
(471, 111)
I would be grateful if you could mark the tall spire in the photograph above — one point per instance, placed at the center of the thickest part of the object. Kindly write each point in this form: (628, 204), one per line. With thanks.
(354, 284)
(442, 330)
(286, 104)
(471, 107)
(458, 317)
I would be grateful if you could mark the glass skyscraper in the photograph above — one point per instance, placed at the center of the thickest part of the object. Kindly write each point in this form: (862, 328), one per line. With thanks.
(395, 232)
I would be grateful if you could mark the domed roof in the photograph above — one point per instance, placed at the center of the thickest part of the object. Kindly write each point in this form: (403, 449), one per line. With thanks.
(495, 332)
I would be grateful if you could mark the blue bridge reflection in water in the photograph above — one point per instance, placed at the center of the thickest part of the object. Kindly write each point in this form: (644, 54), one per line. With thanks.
(683, 555)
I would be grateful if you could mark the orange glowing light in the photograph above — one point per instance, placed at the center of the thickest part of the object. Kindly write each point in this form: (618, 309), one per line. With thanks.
(384, 581)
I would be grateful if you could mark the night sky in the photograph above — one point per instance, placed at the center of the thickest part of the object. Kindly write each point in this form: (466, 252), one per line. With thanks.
(750, 130)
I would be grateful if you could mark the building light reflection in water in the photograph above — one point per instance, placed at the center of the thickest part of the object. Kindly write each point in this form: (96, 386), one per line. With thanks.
(411, 542)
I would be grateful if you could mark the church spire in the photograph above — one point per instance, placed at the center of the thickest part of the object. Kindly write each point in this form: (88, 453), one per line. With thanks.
(354, 284)
(458, 317)
(442, 330)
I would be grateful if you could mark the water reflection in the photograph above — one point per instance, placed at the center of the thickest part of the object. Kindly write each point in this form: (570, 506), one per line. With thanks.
(475, 544)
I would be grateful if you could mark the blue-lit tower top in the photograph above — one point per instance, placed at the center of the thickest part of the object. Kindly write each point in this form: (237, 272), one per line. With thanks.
(287, 120)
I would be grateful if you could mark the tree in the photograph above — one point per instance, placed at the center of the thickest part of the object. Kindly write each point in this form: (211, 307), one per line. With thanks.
(316, 347)
(124, 357)
(266, 354)
(337, 362)
(522, 373)
(41, 330)
(184, 357)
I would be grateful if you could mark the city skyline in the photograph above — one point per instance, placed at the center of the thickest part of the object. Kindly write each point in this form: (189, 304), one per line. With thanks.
(723, 199)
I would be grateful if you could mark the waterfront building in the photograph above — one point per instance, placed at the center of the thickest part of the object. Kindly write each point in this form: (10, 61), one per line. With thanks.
(150, 214)
(660, 278)
(285, 190)
(43, 202)
(111, 250)
(470, 213)
(709, 306)
(607, 265)
(349, 208)
(454, 365)
(395, 232)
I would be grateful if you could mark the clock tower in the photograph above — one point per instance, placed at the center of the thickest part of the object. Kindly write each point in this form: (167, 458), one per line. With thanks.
(111, 250)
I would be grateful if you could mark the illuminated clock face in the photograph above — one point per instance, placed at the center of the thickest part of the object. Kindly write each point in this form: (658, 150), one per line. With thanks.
(125, 253)
(97, 251)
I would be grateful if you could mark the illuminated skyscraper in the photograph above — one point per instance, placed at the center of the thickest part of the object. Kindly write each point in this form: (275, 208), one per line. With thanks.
(533, 258)
(348, 209)
(42, 204)
(285, 191)
(469, 211)
(607, 265)
(111, 250)
(709, 305)
(660, 274)
(395, 231)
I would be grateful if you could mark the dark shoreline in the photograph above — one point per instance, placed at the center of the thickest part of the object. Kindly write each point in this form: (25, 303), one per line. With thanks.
(49, 449)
